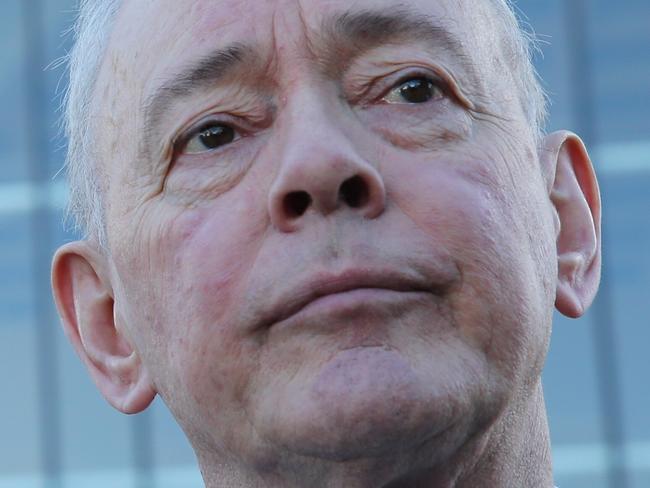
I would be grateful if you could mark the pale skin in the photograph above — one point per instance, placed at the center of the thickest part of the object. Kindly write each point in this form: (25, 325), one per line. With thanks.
(349, 281)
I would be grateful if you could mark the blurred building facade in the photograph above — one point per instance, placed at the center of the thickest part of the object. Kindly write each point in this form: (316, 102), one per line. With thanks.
(56, 430)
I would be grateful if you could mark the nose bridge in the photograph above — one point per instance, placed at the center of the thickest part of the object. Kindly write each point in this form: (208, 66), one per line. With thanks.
(321, 168)
(311, 124)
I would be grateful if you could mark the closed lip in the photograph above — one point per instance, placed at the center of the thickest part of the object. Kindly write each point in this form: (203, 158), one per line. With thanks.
(297, 298)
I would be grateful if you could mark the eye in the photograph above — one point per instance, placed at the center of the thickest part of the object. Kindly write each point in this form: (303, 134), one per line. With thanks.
(419, 89)
(209, 137)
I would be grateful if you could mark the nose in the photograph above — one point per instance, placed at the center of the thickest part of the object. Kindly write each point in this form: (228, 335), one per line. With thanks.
(321, 172)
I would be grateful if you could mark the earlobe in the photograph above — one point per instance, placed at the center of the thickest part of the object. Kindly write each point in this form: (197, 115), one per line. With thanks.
(85, 302)
(573, 191)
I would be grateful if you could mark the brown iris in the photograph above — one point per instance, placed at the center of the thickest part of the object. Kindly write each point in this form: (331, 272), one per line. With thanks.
(216, 136)
(417, 90)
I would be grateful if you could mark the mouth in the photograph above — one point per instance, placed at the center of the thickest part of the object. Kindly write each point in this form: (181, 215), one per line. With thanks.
(346, 291)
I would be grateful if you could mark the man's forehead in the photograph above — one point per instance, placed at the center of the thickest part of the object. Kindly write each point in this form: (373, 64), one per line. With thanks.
(155, 41)
(165, 30)
(208, 15)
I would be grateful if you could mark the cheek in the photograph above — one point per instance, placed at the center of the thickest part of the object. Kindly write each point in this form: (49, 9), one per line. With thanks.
(462, 207)
(211, 251)
(453, 200)
(208, 356)
(183, 276)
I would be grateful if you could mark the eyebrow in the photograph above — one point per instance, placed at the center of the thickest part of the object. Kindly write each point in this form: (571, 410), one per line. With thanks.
(360, 31)
(207, 71)
(342, 38)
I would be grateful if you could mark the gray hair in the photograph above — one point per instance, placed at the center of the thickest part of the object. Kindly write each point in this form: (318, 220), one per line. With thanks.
(91, 31)
(521, 44)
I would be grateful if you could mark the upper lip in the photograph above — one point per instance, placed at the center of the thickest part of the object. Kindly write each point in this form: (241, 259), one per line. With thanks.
(291, 301)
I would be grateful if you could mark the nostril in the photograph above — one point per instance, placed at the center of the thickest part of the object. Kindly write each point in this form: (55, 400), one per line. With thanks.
(354, 192)
(296, 203)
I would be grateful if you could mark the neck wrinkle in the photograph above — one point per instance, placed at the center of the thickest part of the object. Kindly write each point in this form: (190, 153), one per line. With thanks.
(513, 452)
(518, 451)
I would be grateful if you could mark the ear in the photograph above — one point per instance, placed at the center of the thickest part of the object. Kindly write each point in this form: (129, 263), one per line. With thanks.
(573, 190)
(84, 299)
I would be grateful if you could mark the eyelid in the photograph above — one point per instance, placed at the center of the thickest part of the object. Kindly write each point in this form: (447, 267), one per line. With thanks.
(435, 80)
(182, 140)
(439, 76)
(371, 88)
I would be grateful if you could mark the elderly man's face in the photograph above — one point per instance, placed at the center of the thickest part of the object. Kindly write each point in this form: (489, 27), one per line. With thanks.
(328, 231)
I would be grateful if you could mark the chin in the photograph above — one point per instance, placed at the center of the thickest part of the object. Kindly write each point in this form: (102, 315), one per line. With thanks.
(371, 402)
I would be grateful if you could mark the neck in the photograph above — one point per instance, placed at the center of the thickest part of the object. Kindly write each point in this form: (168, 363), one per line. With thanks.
(513, 451)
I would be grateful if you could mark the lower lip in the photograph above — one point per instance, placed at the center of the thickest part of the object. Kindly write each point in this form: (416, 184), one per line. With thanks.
(352, 301)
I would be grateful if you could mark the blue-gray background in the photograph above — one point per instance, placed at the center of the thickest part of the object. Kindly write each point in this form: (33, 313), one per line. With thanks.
(56, 430)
